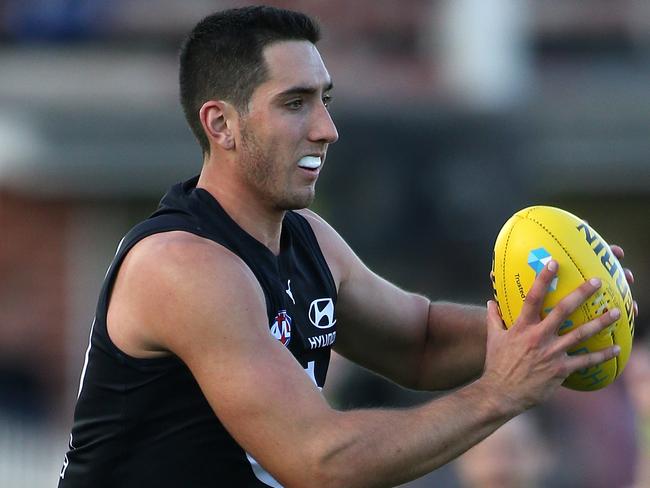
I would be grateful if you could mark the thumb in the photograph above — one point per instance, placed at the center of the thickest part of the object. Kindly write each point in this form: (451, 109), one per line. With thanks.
(494, 321)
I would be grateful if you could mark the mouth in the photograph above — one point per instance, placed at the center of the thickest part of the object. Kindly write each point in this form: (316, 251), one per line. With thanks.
(311, 162)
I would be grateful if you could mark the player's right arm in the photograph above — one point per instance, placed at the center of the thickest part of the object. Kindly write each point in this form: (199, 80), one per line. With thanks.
(177, 293)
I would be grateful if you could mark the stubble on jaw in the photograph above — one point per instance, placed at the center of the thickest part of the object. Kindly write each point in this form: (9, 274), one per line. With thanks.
(263, 173)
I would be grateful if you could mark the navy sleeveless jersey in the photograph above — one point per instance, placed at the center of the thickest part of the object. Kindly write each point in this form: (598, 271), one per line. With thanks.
(145, 422)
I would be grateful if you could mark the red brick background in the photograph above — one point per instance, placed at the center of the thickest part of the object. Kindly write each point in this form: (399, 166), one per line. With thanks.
(32, 288)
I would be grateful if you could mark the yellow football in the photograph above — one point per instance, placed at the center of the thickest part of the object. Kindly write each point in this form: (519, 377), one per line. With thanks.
(527, 241)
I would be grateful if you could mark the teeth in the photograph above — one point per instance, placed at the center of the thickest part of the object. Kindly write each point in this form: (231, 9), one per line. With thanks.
(309, 162)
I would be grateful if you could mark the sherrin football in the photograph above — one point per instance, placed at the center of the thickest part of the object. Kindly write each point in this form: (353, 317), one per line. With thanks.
(527, 241)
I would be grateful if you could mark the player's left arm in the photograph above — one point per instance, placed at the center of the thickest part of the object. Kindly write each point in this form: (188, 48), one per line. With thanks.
(401, 335)
(404, 336)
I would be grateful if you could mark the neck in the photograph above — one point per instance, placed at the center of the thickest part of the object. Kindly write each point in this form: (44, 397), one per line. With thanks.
(244, 207)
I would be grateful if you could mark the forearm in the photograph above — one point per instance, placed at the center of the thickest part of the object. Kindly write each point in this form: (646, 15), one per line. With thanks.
(377, 448)
(454, 349)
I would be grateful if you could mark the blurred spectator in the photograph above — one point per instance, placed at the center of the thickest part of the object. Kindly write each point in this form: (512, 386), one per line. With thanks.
(53, 20)
(637, 378)
(515, 456)
(23, 398)
(593, 433)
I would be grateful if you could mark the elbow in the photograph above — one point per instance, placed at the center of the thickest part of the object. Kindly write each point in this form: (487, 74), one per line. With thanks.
(415, 382)
(317, 479)
(327, 462)
(321, 472)
(316, 476)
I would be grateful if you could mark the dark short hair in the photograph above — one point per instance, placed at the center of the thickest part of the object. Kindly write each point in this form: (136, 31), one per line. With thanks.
(222, 57)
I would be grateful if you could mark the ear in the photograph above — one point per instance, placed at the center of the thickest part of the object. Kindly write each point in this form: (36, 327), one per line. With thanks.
(216, 118)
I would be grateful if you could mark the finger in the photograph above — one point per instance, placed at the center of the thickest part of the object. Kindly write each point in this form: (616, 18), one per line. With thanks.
(530, 312)
(585, 331)
(636, 308)
(584, 361)
(617, 251)
(571, 302)
(628, 276)
(494, 319)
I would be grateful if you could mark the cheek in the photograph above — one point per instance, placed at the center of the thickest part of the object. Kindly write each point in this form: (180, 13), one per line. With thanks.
(281, 156)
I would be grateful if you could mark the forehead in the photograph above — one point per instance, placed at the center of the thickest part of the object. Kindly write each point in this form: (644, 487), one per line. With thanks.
(293, 63)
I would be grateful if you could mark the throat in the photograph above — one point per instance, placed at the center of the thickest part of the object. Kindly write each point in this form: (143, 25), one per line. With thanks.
(261, 222)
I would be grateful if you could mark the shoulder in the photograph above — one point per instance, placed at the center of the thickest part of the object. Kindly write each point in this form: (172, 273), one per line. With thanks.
(168, 254)
(171, 285)
(190, 264)
(338, 254)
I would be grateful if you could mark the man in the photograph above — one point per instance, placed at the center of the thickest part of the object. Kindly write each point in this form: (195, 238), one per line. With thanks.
(214, 326)
(515, 456)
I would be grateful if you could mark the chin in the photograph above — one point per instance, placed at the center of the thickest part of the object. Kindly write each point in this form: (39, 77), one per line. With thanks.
(297, 202)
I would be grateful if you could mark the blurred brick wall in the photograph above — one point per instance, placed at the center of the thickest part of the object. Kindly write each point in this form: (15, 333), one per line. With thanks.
(32, 298)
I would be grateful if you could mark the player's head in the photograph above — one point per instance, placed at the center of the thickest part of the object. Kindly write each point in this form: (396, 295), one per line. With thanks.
(222, 58)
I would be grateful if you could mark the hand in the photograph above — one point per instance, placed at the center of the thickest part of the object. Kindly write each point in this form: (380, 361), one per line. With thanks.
(620, 254)
(529, 361)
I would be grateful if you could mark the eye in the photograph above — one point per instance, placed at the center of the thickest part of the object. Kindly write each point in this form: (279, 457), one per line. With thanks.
(294, 104)
(327, 99)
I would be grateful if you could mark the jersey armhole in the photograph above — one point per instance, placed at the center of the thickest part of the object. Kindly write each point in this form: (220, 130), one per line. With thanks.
(136, 235)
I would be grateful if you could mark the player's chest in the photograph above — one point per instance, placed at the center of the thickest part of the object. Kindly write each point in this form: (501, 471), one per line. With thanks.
(302, 311)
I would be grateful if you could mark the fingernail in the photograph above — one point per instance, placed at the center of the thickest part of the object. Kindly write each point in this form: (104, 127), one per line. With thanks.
(595, 282)
(617, 349)
(552, 265)
(615, 313)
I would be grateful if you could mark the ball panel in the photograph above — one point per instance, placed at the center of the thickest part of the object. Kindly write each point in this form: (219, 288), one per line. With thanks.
(593, 255)
(527, 250)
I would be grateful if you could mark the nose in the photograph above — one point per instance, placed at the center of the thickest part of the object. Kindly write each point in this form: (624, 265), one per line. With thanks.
(323, 129)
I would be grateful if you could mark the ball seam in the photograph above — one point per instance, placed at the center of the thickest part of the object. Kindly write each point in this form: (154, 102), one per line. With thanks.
(503, 272)
(559, 244)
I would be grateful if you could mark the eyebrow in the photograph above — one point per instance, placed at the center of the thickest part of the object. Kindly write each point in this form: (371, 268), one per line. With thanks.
(304, 90)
